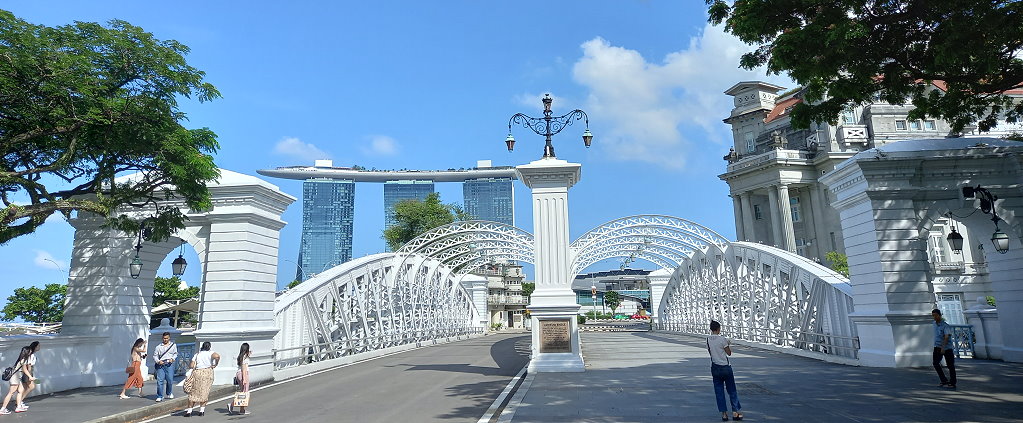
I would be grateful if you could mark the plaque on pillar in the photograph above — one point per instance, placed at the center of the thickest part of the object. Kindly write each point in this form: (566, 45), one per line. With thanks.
(555, 336)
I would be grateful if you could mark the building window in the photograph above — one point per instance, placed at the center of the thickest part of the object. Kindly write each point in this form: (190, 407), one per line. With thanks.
(751, 142)
(794, 205)
(757, 214)
(900, 125)
(930, 125)
(951, 306)
(848, 116)
(801, 247)
(915, 125)
(937, 249)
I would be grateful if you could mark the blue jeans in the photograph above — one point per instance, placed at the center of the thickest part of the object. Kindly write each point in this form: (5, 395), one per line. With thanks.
(723, 378)
(164, 379)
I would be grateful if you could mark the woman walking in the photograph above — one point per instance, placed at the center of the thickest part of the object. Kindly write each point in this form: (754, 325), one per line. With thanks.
(19, 382)
(720, 348)
(135, 356)
(31, 365)
(202, 365)
(242, 375)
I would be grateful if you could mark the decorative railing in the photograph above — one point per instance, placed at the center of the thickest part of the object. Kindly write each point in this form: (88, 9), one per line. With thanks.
(963, 340)
(185, 353)
(766, 157)
(315, 352)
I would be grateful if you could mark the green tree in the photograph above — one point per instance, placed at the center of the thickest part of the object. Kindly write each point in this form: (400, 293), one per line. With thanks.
(528, 288)
(612, 299)
(839, 262)
(83, 103)
(294, 283)
(165, 289)
(413, 218)
(850, 52)
(37, 305)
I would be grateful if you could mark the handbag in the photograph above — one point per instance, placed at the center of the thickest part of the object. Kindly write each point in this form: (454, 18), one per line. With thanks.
(238, 377)
(129, 370)
(241, 399)
(188, 385)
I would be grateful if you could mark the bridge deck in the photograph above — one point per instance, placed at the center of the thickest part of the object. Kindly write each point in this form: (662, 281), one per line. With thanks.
(658, 377)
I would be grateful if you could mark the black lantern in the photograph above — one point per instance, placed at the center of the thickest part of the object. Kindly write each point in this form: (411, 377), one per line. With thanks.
(1000, 240)
(136, 265)
(955, 240)
(549, 125)
(179, 264)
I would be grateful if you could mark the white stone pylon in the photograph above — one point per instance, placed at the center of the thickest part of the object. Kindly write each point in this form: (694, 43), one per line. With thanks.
(552, 307)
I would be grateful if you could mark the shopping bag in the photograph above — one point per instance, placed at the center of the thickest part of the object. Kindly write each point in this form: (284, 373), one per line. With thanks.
(241, 399)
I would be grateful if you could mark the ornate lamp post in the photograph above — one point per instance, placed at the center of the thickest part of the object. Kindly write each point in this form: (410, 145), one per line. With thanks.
(179, 264)
(548, 125)
(987, 206)
(135, 267)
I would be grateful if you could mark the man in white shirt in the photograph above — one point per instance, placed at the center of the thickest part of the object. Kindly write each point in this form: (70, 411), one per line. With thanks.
(720, 348)
(165, 355)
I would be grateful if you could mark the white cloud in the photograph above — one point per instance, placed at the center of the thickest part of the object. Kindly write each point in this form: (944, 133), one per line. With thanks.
(45, 260)
(380, 145)
(294, 147)
(657, 112)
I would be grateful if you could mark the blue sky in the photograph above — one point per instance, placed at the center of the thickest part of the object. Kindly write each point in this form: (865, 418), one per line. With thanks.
(431, 85)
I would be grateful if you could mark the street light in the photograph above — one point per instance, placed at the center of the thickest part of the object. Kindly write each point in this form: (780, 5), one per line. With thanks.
(548, 126)
(955, 239)
(179, 264)
(135, 267)
(987, 206)
(593, 298)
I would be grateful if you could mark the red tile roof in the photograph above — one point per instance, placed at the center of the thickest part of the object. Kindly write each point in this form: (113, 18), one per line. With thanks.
(782, 108)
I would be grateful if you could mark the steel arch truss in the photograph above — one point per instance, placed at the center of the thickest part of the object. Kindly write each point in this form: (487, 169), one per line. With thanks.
(360, 306)
(767, 296)
(466, 246)
(666, 241)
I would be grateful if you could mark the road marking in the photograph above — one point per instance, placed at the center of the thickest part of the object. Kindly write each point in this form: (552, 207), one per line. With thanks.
(509, 412)
(303, 377)
(500, 398)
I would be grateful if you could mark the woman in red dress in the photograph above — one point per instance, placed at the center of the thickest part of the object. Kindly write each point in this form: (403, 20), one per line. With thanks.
(137, 354)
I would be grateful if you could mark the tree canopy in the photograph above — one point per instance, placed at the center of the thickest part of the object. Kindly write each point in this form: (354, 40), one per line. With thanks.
(84, 103)
(165, 289)
(613, 300)
(853, 51)
(413, 218)
(37, 305)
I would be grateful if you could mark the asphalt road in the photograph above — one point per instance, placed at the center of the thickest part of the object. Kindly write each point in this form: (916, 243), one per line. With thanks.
(453, 382)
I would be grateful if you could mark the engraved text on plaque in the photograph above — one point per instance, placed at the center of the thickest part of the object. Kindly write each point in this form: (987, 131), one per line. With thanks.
(555, 336)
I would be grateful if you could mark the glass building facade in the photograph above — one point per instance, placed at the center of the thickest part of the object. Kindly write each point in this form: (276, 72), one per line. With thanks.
(328, 213)
(489, 199)
(397, 191)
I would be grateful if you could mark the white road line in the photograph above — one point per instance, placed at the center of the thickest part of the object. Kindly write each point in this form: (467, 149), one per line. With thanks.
(500, 398)
(509, 412)
(298, 378)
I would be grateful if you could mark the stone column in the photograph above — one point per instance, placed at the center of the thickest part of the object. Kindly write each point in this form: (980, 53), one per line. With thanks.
(772, 199)
(740, 232)
(477, 287)
(787, 232)
(820, 235)
(238, 291)
(748, 217)
(658, 283)
(553, 308)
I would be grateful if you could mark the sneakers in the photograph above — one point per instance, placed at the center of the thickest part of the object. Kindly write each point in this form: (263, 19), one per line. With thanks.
(159, 399)
(171, 396)
(5, 411)
(21, 409)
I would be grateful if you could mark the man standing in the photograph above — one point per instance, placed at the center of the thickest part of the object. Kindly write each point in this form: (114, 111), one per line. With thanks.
(720, 348)
(943, 347)
(165, 355)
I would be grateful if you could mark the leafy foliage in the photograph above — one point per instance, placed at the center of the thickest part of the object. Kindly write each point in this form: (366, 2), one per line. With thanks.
(417, 217)
(165, 289)
(84, 103)
(839, 262)
(528, 288)
(850, 51)
(613, 300)
(294, 283)
(37, 305)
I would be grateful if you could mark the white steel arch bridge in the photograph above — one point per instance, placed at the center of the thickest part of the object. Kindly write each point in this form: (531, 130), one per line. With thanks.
(760, 294)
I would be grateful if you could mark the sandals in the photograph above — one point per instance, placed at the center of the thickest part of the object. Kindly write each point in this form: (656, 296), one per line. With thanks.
(724, 417)
(737, 416)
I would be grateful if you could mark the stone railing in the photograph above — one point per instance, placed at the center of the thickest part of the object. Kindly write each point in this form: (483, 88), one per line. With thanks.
(766, 157)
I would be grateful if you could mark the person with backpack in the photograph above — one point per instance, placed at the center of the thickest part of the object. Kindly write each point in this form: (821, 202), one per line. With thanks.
(20, 378)
(31, 366)
(720, 348)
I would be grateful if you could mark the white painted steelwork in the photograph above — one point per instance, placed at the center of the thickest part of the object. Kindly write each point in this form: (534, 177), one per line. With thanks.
(769, 296)
(361, 306)
(667, 241)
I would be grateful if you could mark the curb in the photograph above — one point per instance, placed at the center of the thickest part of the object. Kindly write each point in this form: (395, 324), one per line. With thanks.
(163, 407)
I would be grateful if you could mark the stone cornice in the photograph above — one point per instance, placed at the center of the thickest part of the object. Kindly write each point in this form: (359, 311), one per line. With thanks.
(546, 173)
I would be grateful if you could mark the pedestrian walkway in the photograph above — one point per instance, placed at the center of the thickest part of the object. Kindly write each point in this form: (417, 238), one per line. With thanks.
(660, 377)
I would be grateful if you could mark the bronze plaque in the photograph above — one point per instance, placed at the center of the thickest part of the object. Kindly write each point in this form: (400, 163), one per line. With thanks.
(555, 336)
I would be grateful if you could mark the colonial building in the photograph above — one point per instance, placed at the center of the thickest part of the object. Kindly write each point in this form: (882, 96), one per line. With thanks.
(505, 302)
(773, 172)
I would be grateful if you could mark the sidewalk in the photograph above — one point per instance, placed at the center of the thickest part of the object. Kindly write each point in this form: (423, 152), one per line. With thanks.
(659, 377)
(101, 404)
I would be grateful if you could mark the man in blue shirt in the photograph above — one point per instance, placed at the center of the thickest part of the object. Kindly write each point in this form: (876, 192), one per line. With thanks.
(943, 347)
